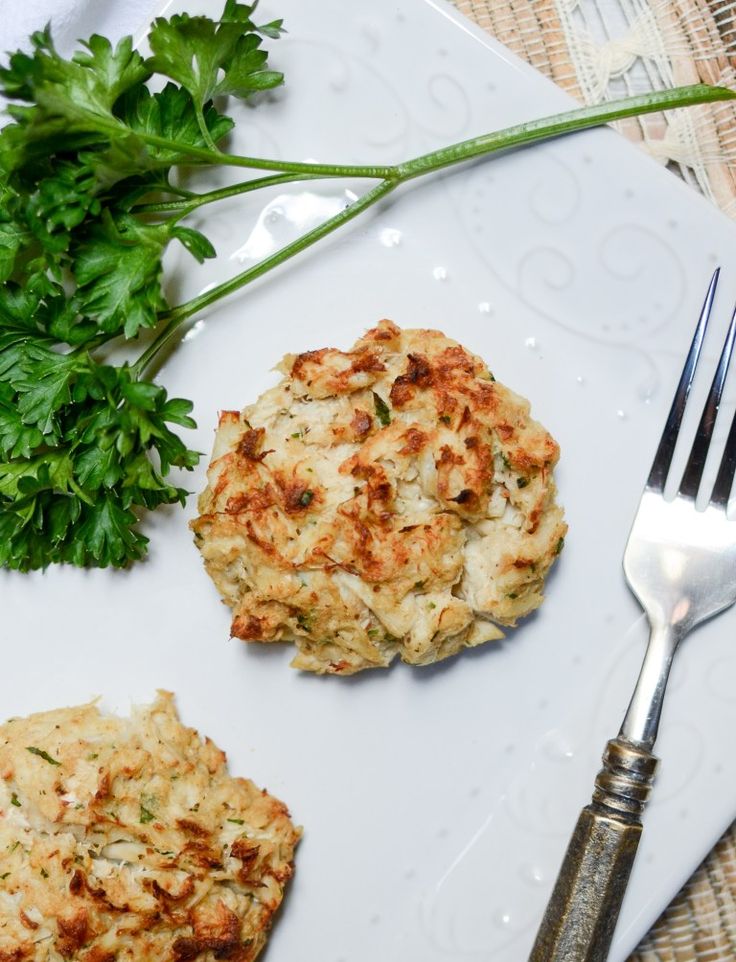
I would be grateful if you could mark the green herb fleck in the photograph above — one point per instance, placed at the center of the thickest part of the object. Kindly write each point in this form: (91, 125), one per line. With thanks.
(513, 595)
(373, 633)
(522, 482)
(418, 585)
(4, 876)
(237, 821)
(304, 620)
(44, 873)
(431, 606)
(92, 756)
(14, 800)
(445, 418)
(296, 434)
(42, 754)
(382, 412)
(146, 815)
(306, 498)
(560, 545)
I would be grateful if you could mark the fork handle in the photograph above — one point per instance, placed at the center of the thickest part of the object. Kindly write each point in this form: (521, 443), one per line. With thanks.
(581, 915)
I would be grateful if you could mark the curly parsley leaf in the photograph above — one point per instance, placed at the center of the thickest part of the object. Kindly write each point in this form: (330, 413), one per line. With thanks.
(63, 200)
(84, 445)
(73, 496)
(169, 114)
(117, 266)
(24, 71)
(195, 242)
(11, 239)
(17, 440)
(70, 101)
(106, 535)
(43, 386)
(209, 58)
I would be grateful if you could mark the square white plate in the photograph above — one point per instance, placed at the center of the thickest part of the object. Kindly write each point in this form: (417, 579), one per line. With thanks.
(436, 802)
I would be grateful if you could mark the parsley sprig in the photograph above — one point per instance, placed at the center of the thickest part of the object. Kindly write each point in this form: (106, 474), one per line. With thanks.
(90, 200)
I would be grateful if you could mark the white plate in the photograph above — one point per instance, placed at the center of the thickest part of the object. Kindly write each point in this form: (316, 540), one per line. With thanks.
(436, 802)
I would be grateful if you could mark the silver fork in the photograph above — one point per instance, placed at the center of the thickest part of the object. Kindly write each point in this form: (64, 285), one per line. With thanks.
(680, 562)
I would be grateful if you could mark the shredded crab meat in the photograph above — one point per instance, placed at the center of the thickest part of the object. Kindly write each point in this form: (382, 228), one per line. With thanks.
(158, 853)
(390, 500)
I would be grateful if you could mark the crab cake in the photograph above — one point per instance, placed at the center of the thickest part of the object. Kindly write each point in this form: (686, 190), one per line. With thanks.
(394, 499)
(126, 839)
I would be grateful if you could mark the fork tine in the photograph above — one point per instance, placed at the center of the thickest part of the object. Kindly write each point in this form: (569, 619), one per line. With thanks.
(693, 473)
(724, 480)
(666, 447)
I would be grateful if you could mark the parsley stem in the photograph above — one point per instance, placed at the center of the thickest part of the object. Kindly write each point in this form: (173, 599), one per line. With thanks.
(91, 345)
(203, 128)
(175, 317)
(172, 189)
(565, 123)
(217, 158)
(193, 201)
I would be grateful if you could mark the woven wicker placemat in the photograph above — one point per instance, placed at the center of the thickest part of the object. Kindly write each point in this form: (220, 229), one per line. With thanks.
(597, 50)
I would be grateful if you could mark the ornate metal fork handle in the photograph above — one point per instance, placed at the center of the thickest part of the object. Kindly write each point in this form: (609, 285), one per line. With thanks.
(679, 562)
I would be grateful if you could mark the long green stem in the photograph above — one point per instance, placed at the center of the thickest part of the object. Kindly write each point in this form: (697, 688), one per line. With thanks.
(518, 135)
(566, 123)
(207, 156)
(203, 128)
(193, 201)
(213, 156)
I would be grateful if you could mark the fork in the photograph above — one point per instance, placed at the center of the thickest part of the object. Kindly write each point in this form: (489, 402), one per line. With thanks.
(680, 562)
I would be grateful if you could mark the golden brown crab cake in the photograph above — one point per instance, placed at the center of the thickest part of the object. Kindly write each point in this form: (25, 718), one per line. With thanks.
(393, 499)
(126, 839)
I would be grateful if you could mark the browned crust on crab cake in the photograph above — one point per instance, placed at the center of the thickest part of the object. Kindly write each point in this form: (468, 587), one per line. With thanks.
(126, 839)
(390, 500)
